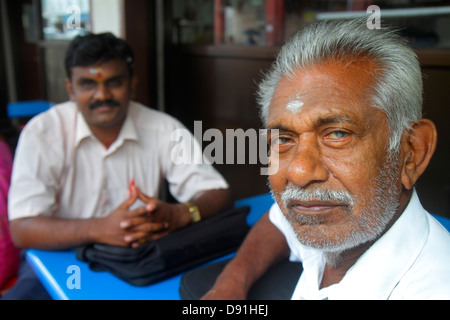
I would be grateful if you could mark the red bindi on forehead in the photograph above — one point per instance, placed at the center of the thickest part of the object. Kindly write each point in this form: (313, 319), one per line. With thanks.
(98, 73)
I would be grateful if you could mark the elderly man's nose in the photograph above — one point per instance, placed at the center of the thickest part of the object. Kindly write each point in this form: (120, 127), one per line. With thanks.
(307, 167)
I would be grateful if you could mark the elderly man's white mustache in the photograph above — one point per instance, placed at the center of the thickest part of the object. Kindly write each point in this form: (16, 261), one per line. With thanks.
(304, 194)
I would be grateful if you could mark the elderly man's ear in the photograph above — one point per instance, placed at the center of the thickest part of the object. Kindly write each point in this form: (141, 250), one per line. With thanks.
(418, 146)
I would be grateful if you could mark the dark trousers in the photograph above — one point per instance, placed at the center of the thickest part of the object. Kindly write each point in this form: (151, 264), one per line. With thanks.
(28, 286)
(278, 283)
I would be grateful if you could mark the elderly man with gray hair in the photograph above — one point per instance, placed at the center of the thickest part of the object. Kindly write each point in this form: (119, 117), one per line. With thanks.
(349, 147)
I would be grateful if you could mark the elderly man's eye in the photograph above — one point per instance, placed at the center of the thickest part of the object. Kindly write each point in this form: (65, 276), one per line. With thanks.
(280, 144)
(279, 140)
(338, 135)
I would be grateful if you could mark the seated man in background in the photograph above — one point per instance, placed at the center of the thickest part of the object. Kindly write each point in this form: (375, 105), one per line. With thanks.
(351, 144)
(91, 170)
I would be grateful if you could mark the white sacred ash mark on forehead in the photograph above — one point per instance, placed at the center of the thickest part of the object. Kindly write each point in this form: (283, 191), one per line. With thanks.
(294, 106)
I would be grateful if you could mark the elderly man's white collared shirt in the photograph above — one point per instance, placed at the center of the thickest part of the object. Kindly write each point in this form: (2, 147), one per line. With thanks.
(410, 261)
(62, 170)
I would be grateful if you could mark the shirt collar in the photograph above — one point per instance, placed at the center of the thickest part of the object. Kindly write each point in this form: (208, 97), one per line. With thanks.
(380, 268)
(82, 130)
(128, 131)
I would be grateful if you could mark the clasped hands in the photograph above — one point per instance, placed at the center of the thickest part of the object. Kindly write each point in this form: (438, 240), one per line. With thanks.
(133, 227)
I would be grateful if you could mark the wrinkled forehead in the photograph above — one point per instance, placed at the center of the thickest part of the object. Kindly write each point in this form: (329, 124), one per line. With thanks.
(332, 85)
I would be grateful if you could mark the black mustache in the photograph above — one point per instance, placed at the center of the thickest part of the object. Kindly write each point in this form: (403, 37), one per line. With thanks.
(99, 103)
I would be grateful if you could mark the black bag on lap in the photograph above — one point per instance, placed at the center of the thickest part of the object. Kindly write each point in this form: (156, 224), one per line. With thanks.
(183, 249)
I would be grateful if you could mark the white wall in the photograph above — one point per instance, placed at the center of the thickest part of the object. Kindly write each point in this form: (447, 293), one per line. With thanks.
(107, 16)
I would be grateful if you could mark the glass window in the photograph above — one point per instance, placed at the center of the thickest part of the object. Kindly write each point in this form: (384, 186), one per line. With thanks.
(426, 23)
(244, 22)
(423, 23)
(193, 21)
(65, 19)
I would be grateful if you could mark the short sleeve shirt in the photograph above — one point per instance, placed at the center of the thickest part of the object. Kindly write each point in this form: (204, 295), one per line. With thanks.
(62, 170)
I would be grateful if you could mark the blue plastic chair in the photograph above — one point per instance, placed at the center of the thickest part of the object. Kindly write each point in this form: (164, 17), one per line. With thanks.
(258, 206)
(25, 109)
(444, 221)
